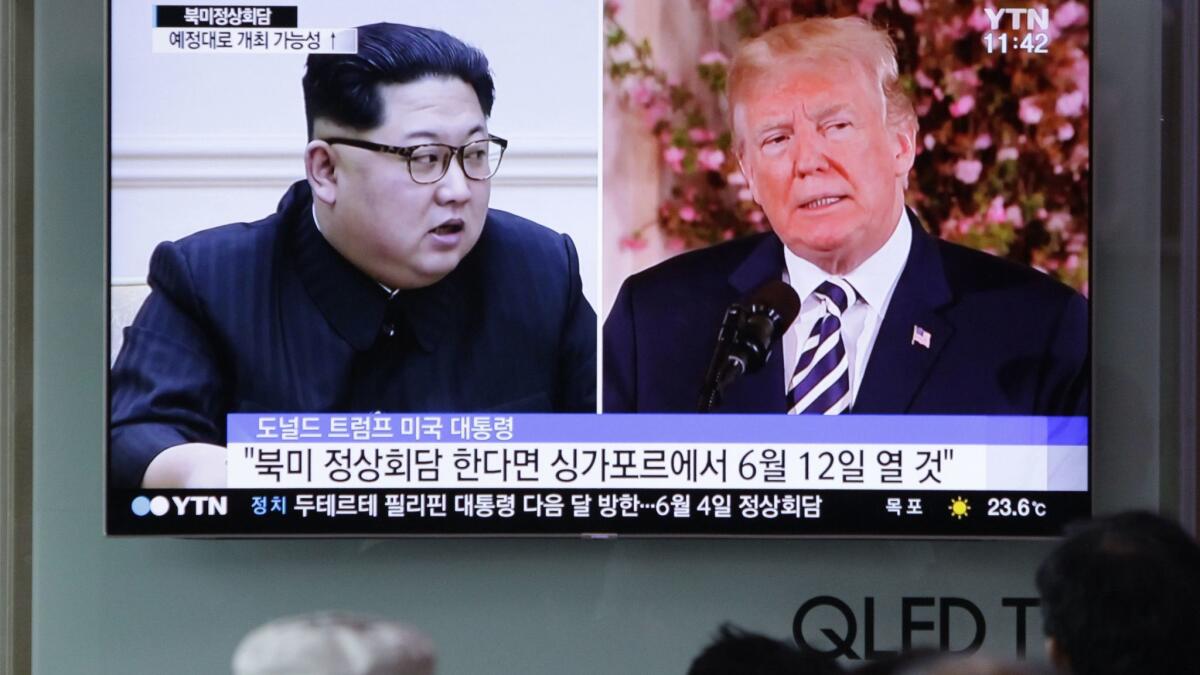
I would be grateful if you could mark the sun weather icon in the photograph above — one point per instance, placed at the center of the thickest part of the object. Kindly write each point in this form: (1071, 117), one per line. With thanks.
(959, 508)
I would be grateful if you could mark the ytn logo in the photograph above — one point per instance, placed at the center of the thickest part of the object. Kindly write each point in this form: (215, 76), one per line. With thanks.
(1038, 17)
(192, 505)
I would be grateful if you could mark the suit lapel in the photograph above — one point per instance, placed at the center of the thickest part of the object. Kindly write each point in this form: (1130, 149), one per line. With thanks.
(900, 360)
(761, 391)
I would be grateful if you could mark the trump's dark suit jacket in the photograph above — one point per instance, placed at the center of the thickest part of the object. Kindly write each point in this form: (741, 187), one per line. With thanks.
(1003, 338)
(268, 317)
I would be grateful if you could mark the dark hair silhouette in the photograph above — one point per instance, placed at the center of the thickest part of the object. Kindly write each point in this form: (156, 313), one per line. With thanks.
(344, 88)
(1121, 595)
(738, 652)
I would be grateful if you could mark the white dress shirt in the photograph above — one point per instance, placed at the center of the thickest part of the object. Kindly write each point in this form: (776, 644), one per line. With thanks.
(874, 280)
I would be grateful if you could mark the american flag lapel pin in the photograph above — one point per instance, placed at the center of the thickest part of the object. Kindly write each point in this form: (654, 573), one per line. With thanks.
(921, 337)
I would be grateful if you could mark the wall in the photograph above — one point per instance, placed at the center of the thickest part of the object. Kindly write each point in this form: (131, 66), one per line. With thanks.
(142, 606)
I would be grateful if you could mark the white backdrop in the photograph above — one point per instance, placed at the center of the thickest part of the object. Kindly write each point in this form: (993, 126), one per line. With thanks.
(203, 139)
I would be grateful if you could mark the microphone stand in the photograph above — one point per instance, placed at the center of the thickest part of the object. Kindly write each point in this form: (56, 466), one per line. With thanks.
(725, 366)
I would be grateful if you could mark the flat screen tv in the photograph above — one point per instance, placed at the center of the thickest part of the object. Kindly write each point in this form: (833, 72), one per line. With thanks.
(806, 268)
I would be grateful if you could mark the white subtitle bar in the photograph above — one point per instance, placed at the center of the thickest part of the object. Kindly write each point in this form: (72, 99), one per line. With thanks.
(659, 466)
(255, 40)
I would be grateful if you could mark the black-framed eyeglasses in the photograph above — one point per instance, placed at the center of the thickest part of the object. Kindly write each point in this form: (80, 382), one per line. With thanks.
(429, 162)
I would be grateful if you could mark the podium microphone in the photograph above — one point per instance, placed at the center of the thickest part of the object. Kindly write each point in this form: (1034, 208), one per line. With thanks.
(749, 330)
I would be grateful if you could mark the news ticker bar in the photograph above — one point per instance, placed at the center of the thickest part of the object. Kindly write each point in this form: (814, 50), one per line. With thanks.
(667, 452)
(593, 513)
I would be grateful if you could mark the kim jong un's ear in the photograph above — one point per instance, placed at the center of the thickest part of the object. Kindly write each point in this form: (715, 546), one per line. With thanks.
(320, 167)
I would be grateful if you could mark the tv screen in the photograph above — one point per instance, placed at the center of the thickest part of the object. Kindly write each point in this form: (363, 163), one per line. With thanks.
(807, 268)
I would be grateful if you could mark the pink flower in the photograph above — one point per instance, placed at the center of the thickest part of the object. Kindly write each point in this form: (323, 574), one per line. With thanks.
(727, 234)
(655, 113)
(1029, 112)
(867, 7)
(673, 156)
(642, 90)
(711, 159)
(962, 106)
(1066, 132)
(938, 93)
(1058, 221)
(1051, 32)
(968, 170)
(1080, 71)
(687, 214)
(1070, 14)
(756, 217)
(1072, 263)
(930, 141)
(673, 244)
(912, 7)
(1079, 156)
(713, 57)
(1013, 215)
(700, 135)
(966, 225)
(1070, 105)
(966, 76)
(1006, 154)
(995, 212)
(979, 20)
(923, 80)
(720, 10)
(622, 53)
(948, 227)
(983, 141)
(613, 6)
(952, 30)
(736, 178)
(745, 195)
(632, 242)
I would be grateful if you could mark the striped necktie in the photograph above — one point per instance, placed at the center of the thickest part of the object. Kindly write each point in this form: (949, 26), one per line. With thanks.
(821, 382)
